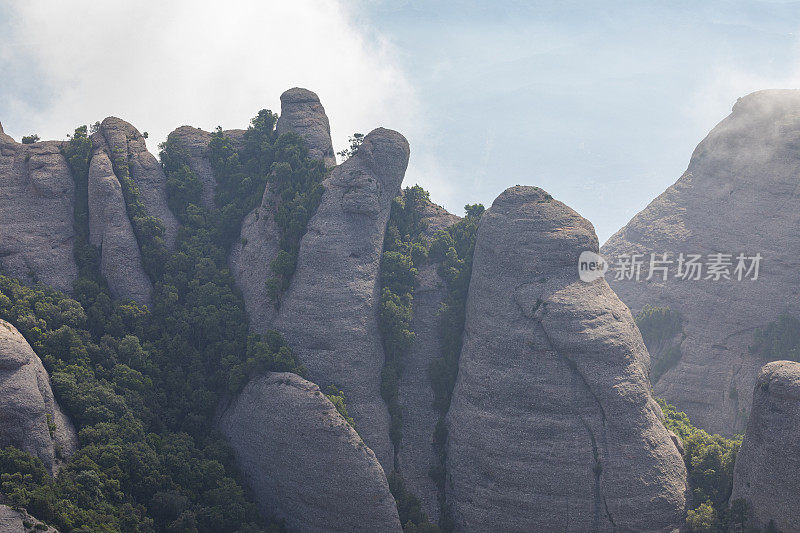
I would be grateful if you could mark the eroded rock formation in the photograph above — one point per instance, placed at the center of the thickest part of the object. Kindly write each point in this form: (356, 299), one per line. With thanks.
(552, 426)
(328, 314)
(738, 195)
(111, 231)
(37, 195)
(304, 462)
(125, 146)
(30, 418)
(251, 256)
(302, 113)
(768, 463)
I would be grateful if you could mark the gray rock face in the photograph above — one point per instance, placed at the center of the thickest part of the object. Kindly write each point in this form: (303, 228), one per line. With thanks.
(110, 229)
(37, 195)
(302, 113)
(739, 195)
(305, 463)
(12, 521)
(416, 455)
(125, 144)
(328, 315)
(552, 426)
(250, 260)
(27, 407)
(768, 463)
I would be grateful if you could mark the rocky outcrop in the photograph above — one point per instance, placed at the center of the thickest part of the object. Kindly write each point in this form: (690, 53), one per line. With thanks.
(738, 195)
(37, 196)
(14, 521)
(302, 113)
(194, 143)
(251, 257)
(30, 418)
(125, 146)
(552, 426)
(305, 463)
(328, 314)
(768, 463)
(415, 454)
(250, 261)
(111, 231)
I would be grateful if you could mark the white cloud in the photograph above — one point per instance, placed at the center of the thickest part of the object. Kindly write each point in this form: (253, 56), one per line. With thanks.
(721, 85)
(160, 65)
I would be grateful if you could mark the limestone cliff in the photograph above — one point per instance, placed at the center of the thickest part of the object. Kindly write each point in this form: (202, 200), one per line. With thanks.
(30, 418)
(552, 426)
(328, 314)
(738, 195)
(767, 470)
(304, 462)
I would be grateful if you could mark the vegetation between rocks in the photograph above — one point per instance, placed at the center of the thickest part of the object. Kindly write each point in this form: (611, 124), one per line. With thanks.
(709, 464)
(142, 385)
(405, 248)
(453, 248)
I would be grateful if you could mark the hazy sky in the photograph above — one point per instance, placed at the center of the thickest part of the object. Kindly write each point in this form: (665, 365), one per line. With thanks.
(600, 103)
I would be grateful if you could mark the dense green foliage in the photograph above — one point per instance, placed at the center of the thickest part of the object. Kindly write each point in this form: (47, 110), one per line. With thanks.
(660, 328)
(78, 152)
(132, 471)
(142, 385)
(242, 172)
(779, 340)
(453, 249)
(405, 248)
(337, 398)
(709, 463)
(30, 139)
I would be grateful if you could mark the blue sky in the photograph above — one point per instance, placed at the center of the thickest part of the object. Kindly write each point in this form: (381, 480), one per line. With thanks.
(601, 104)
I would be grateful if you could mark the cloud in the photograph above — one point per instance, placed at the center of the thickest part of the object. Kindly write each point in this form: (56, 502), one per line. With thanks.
(160, 65)
(720, 85)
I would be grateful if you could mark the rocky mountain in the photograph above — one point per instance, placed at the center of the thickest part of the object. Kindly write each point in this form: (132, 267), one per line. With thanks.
(738, 196)
(37, 203)
(37, 196)
(309, 468)
(31, 419)
(301, 113)
(329, 312)
(552, 426)
(767, 467)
